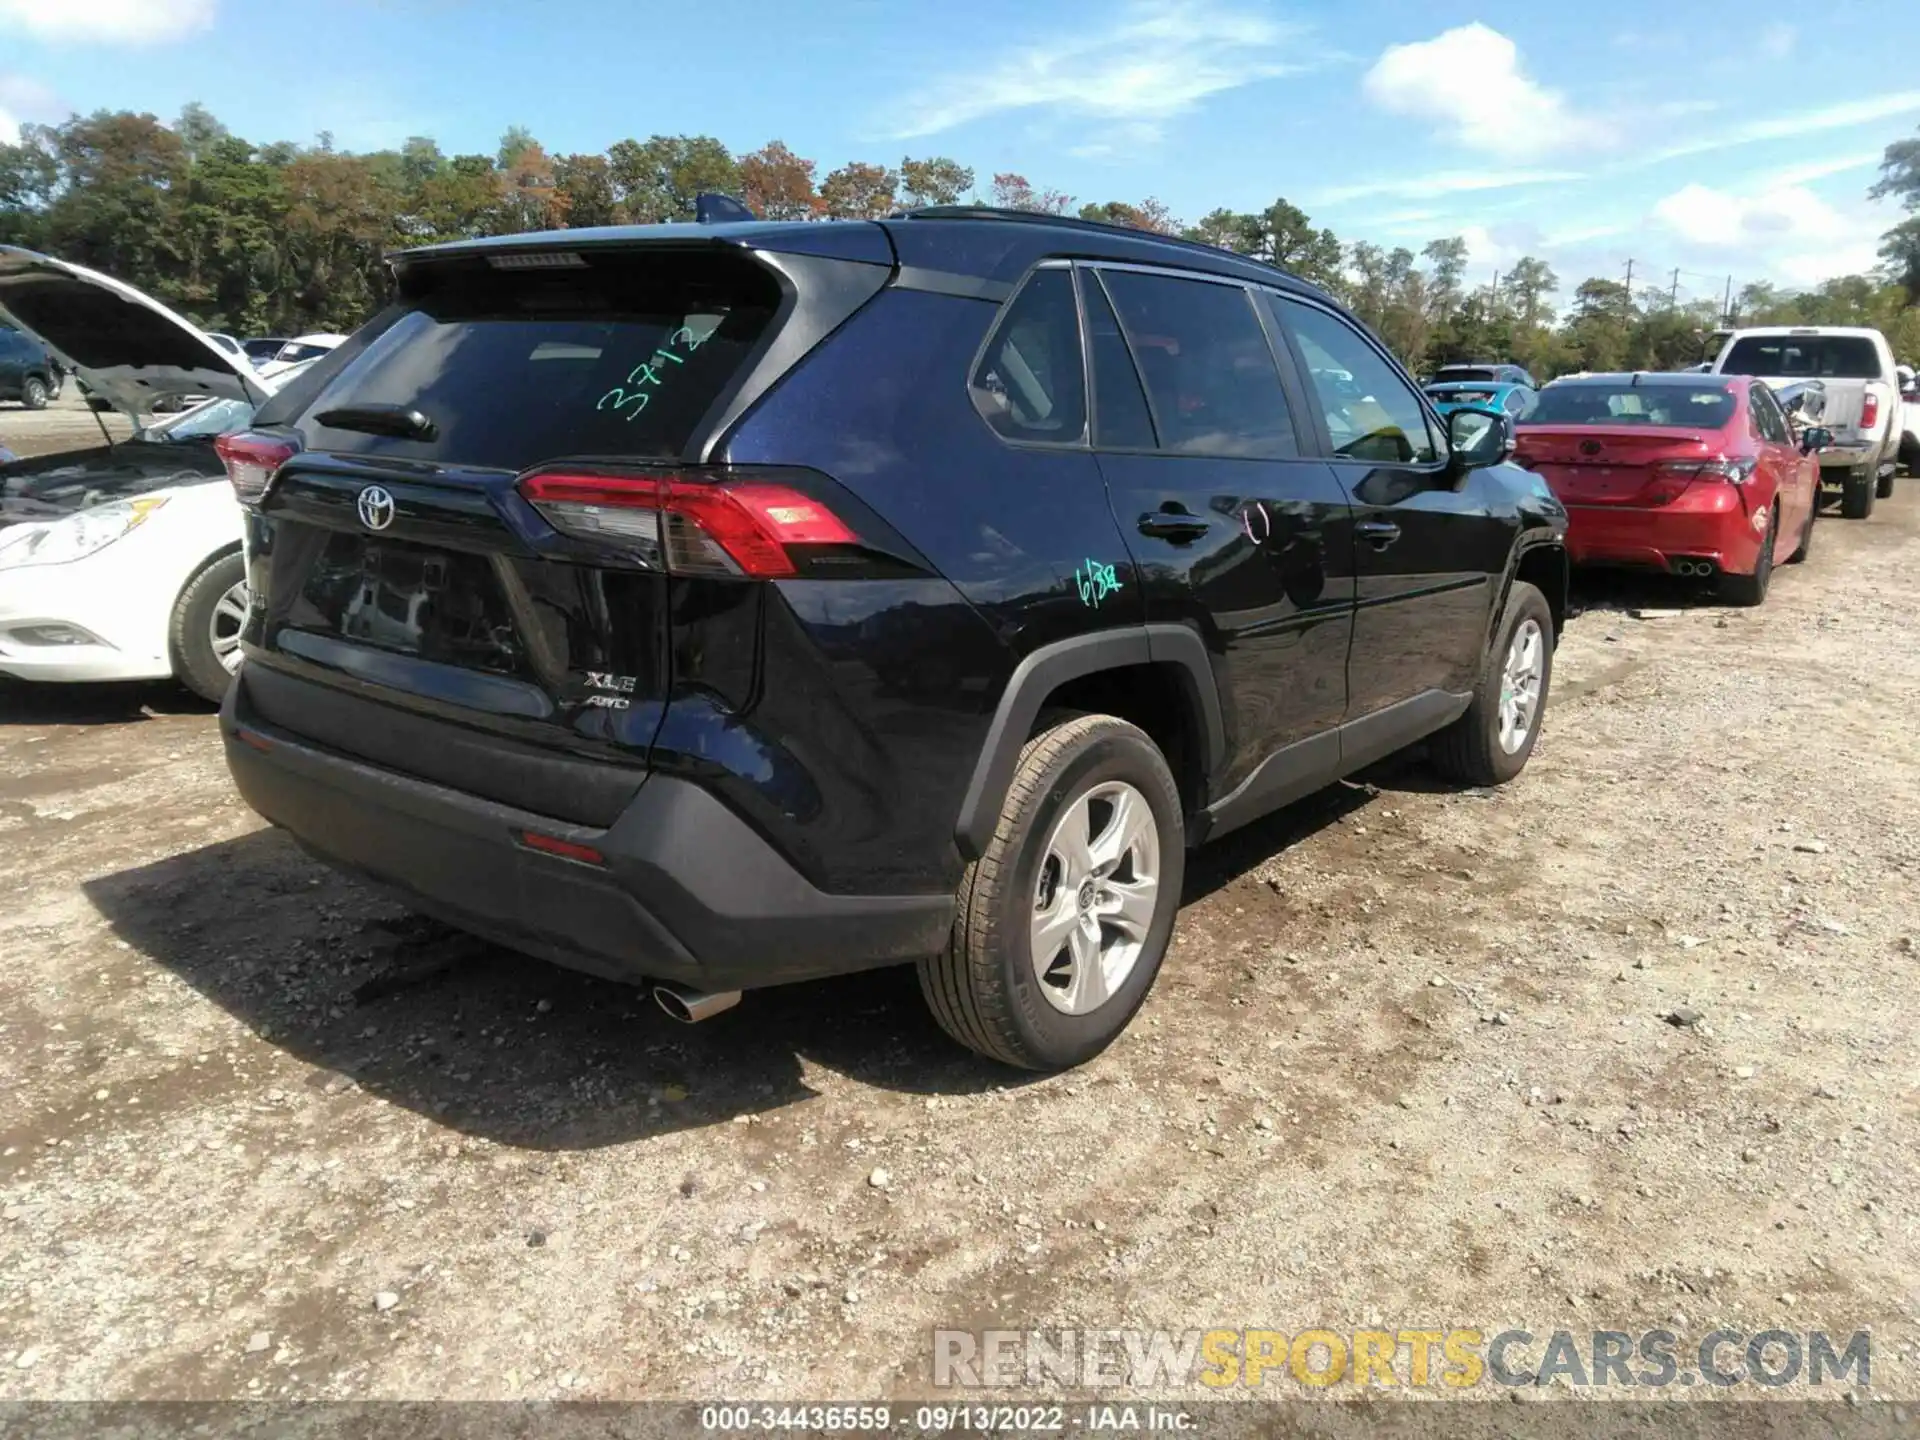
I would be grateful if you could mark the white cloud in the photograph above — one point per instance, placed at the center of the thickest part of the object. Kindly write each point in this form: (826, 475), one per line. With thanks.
(1780, 215)
(22, 100)
(123, 22)
(1776, 41)
(1161, 58)
(1820, 169)
(1782, 127)
(1442, 182)
(1785, 232)
(1469, 79)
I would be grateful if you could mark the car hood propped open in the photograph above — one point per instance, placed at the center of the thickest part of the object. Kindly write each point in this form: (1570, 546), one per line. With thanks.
(127, 347)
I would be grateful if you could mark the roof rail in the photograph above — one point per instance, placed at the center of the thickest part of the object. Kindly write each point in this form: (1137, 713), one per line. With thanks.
(1074, 222)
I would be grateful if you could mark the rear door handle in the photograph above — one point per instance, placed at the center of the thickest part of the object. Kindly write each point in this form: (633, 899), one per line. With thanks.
(1175, 525)
(1378, 533)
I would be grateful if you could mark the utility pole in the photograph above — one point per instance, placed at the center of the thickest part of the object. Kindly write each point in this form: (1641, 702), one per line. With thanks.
(1629, 280)
(1673, 295)
(1726, 308)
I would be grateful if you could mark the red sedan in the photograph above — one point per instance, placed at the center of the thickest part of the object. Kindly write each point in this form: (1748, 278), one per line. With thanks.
(1692, 474)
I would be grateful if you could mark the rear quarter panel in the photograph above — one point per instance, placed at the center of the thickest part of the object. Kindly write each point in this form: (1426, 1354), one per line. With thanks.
(894, 683)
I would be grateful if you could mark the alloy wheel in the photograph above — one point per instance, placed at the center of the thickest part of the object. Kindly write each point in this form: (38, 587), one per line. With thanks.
(229, 618)
(1520, 685)
(1094, 901)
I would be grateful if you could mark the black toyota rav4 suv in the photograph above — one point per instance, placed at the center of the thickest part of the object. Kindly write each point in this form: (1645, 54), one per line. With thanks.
(715, 606)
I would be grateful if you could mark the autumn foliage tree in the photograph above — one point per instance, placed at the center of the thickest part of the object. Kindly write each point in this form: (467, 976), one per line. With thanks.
(282, 238)
(859, 192)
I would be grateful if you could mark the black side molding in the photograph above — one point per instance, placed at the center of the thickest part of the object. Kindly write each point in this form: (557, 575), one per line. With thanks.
(1299, 769)
(1052, 666)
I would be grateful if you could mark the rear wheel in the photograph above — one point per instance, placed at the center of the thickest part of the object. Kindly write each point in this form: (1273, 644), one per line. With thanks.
(1752, 589)
(1063, 922)
(207, 620)
(1489, 745)
(1883, 490)
(1856, 500)
(33, 393)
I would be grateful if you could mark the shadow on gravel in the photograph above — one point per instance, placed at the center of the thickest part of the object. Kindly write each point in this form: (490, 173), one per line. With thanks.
(112, 703)
(498, 1045)
(487, 1041)
(1596, 592)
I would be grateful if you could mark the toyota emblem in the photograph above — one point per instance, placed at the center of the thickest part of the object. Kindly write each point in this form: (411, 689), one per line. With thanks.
(1590, 447)
(376, 507)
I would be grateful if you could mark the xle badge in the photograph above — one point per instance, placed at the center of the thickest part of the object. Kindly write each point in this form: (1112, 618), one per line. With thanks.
(1095, 582)
(621, 685)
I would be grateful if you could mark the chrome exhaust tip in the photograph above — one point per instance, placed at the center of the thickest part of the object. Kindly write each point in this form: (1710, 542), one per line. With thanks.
(690, 1007)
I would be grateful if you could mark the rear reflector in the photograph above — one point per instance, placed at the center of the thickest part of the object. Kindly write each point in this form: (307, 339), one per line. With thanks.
(678, 520)
(566, 849)
(248, 738)
(251, 459)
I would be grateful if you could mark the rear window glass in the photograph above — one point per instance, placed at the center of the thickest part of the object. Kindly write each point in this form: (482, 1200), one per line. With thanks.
(1696, 407)
(1030, 385)
(1453, 395)
(616, 357)
(1465, 372)
(1836, 357)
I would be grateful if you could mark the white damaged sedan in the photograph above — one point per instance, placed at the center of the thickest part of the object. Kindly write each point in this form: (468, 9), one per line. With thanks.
(123, 561)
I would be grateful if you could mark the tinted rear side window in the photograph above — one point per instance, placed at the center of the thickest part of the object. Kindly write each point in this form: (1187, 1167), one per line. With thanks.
(619, 356)
(1835, 357)
(1209, 371)
(1120, 417)
(1030, 385)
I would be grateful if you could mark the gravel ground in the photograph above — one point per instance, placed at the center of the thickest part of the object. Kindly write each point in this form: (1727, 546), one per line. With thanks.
(1412, 1060)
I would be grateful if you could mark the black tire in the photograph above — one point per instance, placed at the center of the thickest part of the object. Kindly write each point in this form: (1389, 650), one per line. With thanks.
(983, 989)
(1752, 589)
(1469, 751)
(1806, 531)
(1910, 453)
(1883, 488)
(190, 637)
(1856, 501)
(33, 393)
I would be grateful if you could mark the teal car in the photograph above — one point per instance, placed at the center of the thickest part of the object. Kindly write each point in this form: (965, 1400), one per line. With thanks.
(1516, 401)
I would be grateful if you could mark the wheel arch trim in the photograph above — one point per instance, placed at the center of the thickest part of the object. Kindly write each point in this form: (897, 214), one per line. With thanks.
(1045, 670)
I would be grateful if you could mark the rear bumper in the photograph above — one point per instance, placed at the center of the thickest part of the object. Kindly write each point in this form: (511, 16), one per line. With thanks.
(1656, 538)
(688, 891)
(1849, 457)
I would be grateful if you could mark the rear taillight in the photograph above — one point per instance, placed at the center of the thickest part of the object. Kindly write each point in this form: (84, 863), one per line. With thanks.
(1869, 411)
(735, 524)
(251, 458)
(1671, 477)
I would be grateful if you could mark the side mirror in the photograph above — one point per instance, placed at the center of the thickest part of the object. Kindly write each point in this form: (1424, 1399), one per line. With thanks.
(1478, 437)
(1815, 437)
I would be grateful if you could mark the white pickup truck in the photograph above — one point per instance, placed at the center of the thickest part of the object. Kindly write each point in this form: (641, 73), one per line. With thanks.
(1856, 369)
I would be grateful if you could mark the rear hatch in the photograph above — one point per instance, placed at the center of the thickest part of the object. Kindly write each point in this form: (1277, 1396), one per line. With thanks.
(513, 633)
(1592, 465)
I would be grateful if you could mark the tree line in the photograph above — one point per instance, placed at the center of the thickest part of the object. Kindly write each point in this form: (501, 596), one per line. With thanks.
(283, 238)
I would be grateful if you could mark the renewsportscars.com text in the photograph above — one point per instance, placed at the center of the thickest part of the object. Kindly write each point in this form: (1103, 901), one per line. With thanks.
(1455, 1358)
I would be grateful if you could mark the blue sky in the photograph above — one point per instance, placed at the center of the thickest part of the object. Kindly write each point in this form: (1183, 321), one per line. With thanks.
(1721, 140)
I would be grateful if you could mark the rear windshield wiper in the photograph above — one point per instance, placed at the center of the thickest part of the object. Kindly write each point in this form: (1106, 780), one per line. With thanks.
(403, 422)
